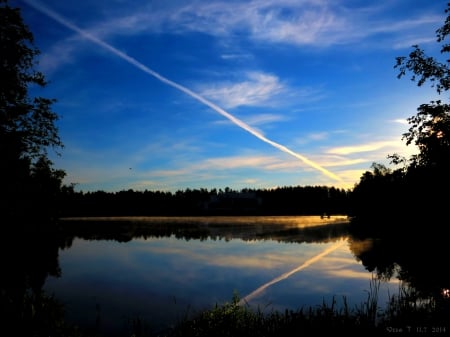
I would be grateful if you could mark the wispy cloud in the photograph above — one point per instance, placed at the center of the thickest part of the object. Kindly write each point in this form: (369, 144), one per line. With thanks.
(298, 23)
(220, 164)
(402, 121)
(368, 152)
(264, 118)
(256, 90)
(307, 22)
(236, 56)
(368, 147)
(413, 40)
(236, 162)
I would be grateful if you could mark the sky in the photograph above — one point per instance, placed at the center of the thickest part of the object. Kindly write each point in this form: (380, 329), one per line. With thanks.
(165, 95)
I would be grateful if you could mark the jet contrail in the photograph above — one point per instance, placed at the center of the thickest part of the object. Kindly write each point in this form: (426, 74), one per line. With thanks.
(55, 16)
(284, 276)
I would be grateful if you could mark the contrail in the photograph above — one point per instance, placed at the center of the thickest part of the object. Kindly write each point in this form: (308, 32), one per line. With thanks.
(284, 276)
(55, 16)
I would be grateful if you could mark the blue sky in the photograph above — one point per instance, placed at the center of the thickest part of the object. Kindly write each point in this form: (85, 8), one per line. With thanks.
(168, 95)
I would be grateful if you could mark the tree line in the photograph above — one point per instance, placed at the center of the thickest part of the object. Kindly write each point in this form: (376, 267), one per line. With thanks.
(289, 200)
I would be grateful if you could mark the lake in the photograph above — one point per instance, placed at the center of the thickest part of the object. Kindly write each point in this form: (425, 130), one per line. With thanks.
(161, 270)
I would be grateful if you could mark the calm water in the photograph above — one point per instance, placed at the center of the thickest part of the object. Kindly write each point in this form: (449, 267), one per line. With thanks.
(168, 269)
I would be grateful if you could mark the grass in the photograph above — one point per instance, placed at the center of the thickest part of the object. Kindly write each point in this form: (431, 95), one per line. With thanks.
(405, 313)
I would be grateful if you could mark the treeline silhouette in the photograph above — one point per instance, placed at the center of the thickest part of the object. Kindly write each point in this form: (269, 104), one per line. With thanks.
(295, 200)
(399, 202)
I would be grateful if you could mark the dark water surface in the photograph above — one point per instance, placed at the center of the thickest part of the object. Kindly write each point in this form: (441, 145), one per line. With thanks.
(161, 270)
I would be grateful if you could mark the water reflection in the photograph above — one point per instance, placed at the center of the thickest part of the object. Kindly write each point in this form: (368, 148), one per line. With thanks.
(164, 279)
(285, 275)
(163, 269)
(281, 228)
(27, 261)
(107, 272)
(422, 264)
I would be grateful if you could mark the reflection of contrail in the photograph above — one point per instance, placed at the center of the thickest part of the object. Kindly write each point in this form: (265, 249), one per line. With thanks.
(307, 263)
(187, 91)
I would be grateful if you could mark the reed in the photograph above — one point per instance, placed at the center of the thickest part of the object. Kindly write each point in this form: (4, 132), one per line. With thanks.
(405, 310)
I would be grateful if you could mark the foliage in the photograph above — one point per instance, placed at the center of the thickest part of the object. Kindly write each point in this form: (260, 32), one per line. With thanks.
(27, 124)
(430, 132)
(368, 319)
(413, 191)
(430, 127)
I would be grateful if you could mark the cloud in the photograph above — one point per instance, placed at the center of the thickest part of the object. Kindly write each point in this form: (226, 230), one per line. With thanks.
(339, 161)
(236, 56)
(296, 23)
(368, 147)
(236, 162)
(402, 121)
(194, 172)
(256, 90)
(304, 22)
(348, 273)
(60, 54)
(299, 23)
(251, 181)
(350, 162)
(221, 164)
(264, 118)
(413, 40)
(310, 24)
(318, 136)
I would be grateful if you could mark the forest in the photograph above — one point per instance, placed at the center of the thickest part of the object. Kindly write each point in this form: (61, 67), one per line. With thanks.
(290, 200)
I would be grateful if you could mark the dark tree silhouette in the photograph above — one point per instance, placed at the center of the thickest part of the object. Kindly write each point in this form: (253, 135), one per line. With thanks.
(292, 200)
(417, 191)
(428, 172)
(430, 127)
(27, 125)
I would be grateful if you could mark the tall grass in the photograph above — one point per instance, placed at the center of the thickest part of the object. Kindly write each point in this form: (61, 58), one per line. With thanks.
(403, 311)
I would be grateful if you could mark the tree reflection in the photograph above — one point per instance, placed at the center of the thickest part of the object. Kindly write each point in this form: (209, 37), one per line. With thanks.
(27, 260)
(192, 228)
(419, 260)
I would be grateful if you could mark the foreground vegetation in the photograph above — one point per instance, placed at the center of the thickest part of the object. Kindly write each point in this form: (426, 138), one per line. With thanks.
(404, 314)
